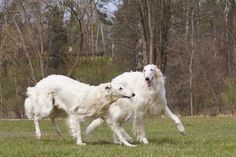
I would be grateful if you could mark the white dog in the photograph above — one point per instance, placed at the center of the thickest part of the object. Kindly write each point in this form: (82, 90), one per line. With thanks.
(77, 100)
(150, 94)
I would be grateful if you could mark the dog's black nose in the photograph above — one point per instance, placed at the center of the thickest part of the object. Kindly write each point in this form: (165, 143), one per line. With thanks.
(133, 94)
(147, 78)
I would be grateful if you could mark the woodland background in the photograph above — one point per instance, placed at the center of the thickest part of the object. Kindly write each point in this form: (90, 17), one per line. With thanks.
(192, 41)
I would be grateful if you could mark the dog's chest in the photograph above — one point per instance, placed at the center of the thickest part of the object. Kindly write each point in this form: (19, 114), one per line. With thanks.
(145, 100)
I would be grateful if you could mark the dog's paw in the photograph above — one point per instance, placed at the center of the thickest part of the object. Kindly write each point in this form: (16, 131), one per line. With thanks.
(183, 133)
(130, 145)
(117, 142)
(80, 144)
(38, 136)
(130, 140)
(180, 127)
(143, 141)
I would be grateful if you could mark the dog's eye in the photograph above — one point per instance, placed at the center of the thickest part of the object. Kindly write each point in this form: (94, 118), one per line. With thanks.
(151, 69)
(120, 88)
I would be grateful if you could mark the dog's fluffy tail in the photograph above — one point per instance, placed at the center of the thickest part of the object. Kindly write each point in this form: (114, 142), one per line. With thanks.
(93, 125)
(30, 102)
(39, 102)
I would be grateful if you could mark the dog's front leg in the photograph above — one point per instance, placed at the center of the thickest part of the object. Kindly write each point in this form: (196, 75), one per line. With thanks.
(138, 127)
(177, 121)
(74, 125)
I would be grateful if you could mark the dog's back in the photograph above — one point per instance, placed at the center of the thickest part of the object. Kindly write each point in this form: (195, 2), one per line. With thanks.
(54, 90)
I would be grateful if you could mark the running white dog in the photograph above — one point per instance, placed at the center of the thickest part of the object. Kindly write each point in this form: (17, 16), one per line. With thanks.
(150, 94)
(77, 99)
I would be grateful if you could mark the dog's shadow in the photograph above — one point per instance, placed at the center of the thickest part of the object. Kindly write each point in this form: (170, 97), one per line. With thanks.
(54, 141)
(155, 141)
(164, 140)
(100, 143)
(70, 141)
(168, 140)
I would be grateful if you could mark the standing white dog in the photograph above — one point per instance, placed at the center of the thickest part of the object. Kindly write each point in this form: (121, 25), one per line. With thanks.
(150, 94)
(77, 99)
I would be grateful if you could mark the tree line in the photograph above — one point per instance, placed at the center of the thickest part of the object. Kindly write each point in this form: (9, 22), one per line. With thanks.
(192, 42)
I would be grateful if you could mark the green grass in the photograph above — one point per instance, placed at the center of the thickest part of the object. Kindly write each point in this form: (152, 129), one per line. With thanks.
(215, 137)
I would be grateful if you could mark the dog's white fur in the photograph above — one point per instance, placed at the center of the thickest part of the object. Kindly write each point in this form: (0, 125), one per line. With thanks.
(150, 94)
(76, 99)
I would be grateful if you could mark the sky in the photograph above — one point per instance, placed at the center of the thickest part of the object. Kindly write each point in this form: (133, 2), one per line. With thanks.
(108, 7)
(105, 7)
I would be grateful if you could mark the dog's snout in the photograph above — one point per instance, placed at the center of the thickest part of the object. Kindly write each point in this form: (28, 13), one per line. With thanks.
(133, 94)
(147, 78)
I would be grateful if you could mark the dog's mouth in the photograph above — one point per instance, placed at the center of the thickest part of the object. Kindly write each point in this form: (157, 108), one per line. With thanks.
(126, 97)
(149, 83)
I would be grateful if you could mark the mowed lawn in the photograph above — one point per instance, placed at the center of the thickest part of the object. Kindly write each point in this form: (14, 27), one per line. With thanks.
(212, 136)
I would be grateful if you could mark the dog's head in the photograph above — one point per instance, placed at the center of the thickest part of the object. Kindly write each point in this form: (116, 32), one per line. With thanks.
(117, 91)
(150, 73)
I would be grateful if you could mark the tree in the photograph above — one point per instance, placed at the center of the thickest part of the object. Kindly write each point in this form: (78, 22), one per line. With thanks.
(57, 37)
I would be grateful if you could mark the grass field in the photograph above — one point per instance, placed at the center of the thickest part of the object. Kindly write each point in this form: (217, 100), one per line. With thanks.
(215, 137)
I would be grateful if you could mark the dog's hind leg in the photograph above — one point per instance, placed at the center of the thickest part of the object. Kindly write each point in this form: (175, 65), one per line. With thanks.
(37, 128)
(177, 121)
(116, 139)
(55, 113)
(117, 131)
(126, 135)
(93, 125)
(55, 126)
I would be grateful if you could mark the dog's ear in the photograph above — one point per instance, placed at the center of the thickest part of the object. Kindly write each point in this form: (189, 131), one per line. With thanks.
(157, 72)
(108, 87)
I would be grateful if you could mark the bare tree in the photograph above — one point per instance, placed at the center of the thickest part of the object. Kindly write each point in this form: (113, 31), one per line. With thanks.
(164, 30)
(13, 16)
(191, 59)
(83, 16)
(39, 50)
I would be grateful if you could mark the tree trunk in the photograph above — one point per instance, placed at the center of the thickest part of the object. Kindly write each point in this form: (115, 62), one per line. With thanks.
(144, 32)
(191, 63)
(32, 40)
(165, 7)
(18, 99)
(187, 21)
(97, 33)
(92, 37)
(73, 67)
(26, 51)
(144, 45)
(228, 12)
(2, 42)
(150, 28)
(1, 99)
(103, 39)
